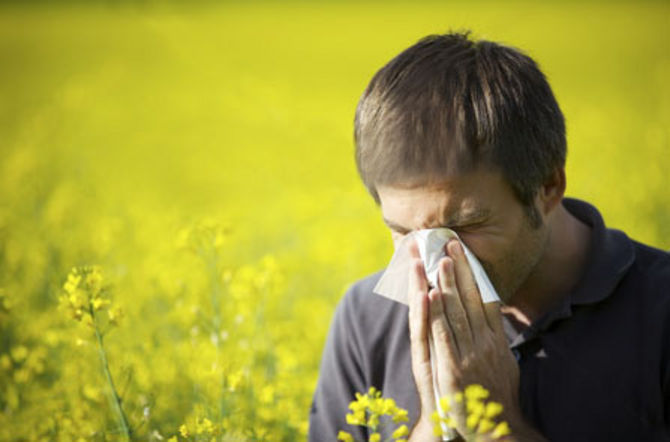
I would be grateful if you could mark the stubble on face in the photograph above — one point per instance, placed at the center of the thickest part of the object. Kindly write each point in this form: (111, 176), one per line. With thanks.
(512, 271)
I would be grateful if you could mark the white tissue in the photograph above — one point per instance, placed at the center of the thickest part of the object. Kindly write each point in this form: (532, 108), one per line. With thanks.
(393, 283)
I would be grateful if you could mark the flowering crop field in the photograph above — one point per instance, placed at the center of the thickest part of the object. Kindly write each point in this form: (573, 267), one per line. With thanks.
(179, 205)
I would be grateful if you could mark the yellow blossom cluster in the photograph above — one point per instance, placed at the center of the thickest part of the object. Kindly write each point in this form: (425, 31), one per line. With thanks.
(85, 294)
(480, 415)
(200, 428)
(368, 409)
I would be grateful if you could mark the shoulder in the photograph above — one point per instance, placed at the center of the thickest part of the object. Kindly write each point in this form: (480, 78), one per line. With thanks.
(654, 260)
(368, 314)
(652, 266)
(360, 298)
(651, 270)
(646, 286)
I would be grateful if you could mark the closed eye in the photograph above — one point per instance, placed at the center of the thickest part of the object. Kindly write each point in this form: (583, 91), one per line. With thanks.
(468, 227)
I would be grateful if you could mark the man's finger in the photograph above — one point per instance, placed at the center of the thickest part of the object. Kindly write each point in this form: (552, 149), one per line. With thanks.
(453, 308)
(418, 282)
(418, 312)
(494, 319)
(414, 248)
(420, 350)
(467, 288)
(445, 352)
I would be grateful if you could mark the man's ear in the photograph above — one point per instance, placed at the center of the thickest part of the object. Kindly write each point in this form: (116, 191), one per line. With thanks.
(552, 191)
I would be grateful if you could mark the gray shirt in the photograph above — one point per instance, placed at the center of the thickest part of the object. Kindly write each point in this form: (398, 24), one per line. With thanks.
(595, 367)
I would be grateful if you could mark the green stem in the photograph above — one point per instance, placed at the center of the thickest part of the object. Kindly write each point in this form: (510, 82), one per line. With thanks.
(116, 402)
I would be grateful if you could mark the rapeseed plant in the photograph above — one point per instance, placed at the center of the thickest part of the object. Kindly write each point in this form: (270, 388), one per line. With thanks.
(85, 297)
(480, 415)
(368, 410)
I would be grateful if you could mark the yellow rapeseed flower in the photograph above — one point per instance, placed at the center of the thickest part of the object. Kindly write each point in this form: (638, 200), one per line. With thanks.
(475, 392)
(99, 303)
(400, 415)
(475, 411)
(368, 409)
(72, 282)
(115, 314)
(485, 425)
(204, 426)
(345, 437)
(401, 431)
(445, 404)
(356, 418)
(493, 409)
(84, 295)
(479, 417)
(502, 429)
(472, 421)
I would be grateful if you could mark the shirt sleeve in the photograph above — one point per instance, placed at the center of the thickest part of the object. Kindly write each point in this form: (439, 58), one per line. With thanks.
(341, 376)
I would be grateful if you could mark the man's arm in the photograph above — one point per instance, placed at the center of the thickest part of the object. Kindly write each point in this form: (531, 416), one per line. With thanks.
(340, 375)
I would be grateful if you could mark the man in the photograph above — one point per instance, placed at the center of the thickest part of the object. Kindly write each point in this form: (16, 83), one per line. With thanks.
(468, 135)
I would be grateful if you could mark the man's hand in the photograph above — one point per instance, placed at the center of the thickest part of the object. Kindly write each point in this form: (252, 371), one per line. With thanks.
(469, 342)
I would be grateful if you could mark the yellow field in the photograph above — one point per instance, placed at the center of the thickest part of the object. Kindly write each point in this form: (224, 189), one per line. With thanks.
(203, 158)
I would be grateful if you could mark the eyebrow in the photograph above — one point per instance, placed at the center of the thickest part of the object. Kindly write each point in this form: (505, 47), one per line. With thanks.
(457, 219)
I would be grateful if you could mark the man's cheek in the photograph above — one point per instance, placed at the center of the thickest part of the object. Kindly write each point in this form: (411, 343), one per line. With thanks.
(486, 246)
(476, 243)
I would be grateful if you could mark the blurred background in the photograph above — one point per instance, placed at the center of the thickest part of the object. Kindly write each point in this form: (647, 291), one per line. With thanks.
(201, 157)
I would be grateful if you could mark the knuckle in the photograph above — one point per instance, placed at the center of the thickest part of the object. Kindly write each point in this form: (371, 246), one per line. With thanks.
(458, 325)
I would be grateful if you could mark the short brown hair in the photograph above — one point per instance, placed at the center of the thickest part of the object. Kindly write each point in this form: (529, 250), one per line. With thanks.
(449, 104)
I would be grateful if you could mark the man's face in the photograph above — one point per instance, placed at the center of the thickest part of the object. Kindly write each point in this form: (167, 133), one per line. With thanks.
(481, 207)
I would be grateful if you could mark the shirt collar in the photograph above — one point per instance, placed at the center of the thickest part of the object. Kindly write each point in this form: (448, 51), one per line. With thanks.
(611, 254)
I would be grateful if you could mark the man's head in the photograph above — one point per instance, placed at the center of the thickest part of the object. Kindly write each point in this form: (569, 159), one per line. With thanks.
(449, 105)
(466, 135)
